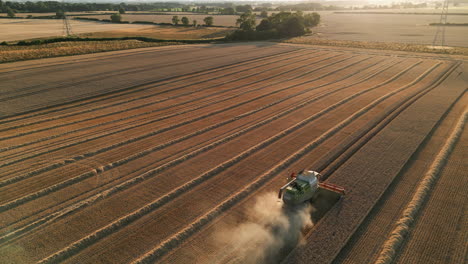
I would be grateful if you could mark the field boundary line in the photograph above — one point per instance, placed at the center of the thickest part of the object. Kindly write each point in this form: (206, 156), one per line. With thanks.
(140, 89)
(134, 180)
(131, 217)
(197, 108)
(396, 238)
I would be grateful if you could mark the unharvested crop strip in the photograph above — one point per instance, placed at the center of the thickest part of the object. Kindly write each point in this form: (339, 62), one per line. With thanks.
(197, 108)
(120, 94)
(136, 88)
(178, 238)
(193, 227)
(79, 178)
(147, 104)
(138, 179)
(402, 228)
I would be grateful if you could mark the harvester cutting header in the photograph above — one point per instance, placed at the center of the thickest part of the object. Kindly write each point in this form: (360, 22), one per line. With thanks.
(304, 187)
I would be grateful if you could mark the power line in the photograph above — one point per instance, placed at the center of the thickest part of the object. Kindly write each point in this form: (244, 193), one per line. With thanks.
(440, 34)
(67, 30)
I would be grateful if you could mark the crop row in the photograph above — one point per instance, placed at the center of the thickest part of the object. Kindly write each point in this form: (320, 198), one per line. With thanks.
(144, 210)
(263, 122)
(88, 139)
(128, 99)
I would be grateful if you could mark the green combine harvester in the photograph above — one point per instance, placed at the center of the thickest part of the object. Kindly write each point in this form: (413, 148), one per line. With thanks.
(304, 188)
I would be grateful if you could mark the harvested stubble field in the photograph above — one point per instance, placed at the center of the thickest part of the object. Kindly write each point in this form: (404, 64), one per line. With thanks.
(389, 28)
(219, 20)
(163, 32)
(146, 155)
(20, 29)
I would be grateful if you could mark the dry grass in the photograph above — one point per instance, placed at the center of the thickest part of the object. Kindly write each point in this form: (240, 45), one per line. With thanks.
(17, 53)
(377, 45)
(162, 32)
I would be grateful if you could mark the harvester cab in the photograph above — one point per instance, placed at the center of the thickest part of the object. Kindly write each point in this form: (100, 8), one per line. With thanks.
(304, 187)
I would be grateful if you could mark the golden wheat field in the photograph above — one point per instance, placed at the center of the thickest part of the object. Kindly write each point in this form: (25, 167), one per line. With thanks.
(175, 155)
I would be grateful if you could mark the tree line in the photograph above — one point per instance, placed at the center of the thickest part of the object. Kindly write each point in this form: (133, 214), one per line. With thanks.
(280, 25)
(53, 6)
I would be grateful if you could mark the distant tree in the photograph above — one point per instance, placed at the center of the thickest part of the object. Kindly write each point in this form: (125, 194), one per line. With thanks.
(121, 10)
(228, 11)
(283, 24)
(175, 20)
(185, 21)
(311, 20)
(208, 21)
(293, 27)
(265, 25)
(10, 12)
(246, 21)
(116, 18)
(194, 23)
(244, 8)
(60, 14)
(264, 14)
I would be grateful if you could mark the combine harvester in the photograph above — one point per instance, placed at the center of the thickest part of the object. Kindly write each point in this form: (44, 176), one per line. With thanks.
(306, 187)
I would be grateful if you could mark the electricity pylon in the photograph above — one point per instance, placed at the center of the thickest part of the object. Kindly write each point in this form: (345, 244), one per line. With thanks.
(440, 34)
(67, 30)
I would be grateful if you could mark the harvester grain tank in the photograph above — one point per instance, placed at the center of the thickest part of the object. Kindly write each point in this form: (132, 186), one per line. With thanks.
(305, 187)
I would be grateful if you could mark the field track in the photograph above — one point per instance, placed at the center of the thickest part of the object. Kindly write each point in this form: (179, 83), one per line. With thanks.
(143, 155)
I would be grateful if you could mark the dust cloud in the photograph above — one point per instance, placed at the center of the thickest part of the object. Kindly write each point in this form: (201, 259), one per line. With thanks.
(271, 231)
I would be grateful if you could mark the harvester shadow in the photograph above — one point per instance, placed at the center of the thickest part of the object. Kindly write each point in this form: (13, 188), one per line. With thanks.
(322, 203)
